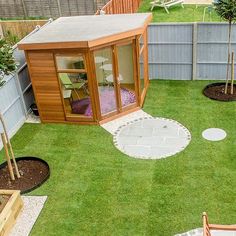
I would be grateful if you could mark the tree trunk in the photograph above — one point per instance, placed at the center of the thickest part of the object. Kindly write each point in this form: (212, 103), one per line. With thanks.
(232, 75)
(229, 53)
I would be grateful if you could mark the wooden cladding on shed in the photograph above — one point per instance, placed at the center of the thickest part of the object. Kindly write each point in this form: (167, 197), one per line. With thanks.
(46, 87)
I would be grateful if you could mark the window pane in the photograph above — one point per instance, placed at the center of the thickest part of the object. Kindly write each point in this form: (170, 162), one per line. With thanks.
(105, 80)
(76, 93)
(70, 62)
(126, 74)
(141, 63)
(141, 42)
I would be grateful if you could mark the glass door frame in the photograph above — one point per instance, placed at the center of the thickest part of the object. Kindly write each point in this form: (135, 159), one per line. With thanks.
(113, 46)
(142, 51)
(134, 61)
(74, 53)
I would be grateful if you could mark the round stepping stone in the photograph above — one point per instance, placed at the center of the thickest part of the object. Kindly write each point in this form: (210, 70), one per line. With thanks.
(214, 134)
(152, 138)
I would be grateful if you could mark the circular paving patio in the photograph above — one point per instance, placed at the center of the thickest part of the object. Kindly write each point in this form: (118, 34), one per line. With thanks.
(152, 138)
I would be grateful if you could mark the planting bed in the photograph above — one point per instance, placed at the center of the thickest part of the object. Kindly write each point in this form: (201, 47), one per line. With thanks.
(216, 91)
(9, 210)
(3, 201)
(34, 172)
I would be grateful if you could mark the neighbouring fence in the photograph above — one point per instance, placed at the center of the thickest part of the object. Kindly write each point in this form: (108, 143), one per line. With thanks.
(49, 8)
(19, 28)
(121, 6)
(189, 51)
(16, 96)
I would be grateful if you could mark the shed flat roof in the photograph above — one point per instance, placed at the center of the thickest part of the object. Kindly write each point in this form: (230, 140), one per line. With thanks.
(85, 30)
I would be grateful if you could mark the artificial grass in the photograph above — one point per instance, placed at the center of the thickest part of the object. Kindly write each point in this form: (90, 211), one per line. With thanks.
(96, 190)
(190, 13)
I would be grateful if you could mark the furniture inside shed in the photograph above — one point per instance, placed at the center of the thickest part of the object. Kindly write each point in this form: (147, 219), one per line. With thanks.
(89, 69)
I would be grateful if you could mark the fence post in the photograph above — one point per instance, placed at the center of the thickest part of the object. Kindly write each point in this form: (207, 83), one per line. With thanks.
(194, 52)
(59, 7)
(24, 8)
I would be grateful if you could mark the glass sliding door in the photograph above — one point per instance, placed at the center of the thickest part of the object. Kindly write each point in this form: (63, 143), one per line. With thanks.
(72, 75)
(126, 77)
(105, 75)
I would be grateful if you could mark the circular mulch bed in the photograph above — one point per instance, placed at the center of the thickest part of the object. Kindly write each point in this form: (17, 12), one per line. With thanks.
(216, 91)
(34, 172)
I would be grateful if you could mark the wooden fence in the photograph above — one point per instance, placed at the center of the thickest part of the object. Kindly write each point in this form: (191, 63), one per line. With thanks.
(19, 28)
(121, 6)
(48, 8)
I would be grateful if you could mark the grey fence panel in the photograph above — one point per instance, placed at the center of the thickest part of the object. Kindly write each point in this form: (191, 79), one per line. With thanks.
(20, 57)
(11, 106)
(212, 50)
(185, 52)
(170, 51)
(23, 79)
(16, 96)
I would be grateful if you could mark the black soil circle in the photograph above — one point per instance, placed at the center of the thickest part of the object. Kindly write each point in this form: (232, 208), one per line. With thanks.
(34, 172)
(216, 91)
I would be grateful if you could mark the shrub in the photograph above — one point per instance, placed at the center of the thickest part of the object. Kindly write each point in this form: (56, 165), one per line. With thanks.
(7, 61)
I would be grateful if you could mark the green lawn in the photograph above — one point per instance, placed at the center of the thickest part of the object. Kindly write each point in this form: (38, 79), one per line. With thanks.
(96, 190)
(190, 13)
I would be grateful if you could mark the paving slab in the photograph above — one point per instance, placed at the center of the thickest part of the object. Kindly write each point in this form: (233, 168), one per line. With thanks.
(151, 138)
(214, 134)
(32, 119)
(113, 125)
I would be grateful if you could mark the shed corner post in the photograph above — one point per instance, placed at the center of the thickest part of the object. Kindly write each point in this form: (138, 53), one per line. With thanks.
(194, 51)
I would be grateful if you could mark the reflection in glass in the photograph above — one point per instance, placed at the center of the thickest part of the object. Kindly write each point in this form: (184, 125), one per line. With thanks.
(105, 80)
(141, 42)
(70, 62)
(76, 94)
(126, 74)
(141, 63)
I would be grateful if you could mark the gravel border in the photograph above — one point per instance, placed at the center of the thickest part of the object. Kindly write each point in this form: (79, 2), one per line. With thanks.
(33, 205)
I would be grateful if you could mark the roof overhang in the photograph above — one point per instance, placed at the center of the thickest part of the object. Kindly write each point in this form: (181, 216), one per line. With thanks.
(88, 37)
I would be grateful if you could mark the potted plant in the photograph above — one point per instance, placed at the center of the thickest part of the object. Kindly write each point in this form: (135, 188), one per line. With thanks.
(34, 109)
(10, 207)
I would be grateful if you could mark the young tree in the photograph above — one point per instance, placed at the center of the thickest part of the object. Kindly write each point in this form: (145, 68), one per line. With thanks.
(7, 66)
(226, 9)
(7, 61)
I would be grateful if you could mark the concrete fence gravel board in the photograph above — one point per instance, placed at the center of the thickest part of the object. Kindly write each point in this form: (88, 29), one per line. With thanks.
(189, 51)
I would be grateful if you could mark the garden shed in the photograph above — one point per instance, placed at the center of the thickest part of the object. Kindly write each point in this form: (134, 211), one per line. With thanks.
(89, 69)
